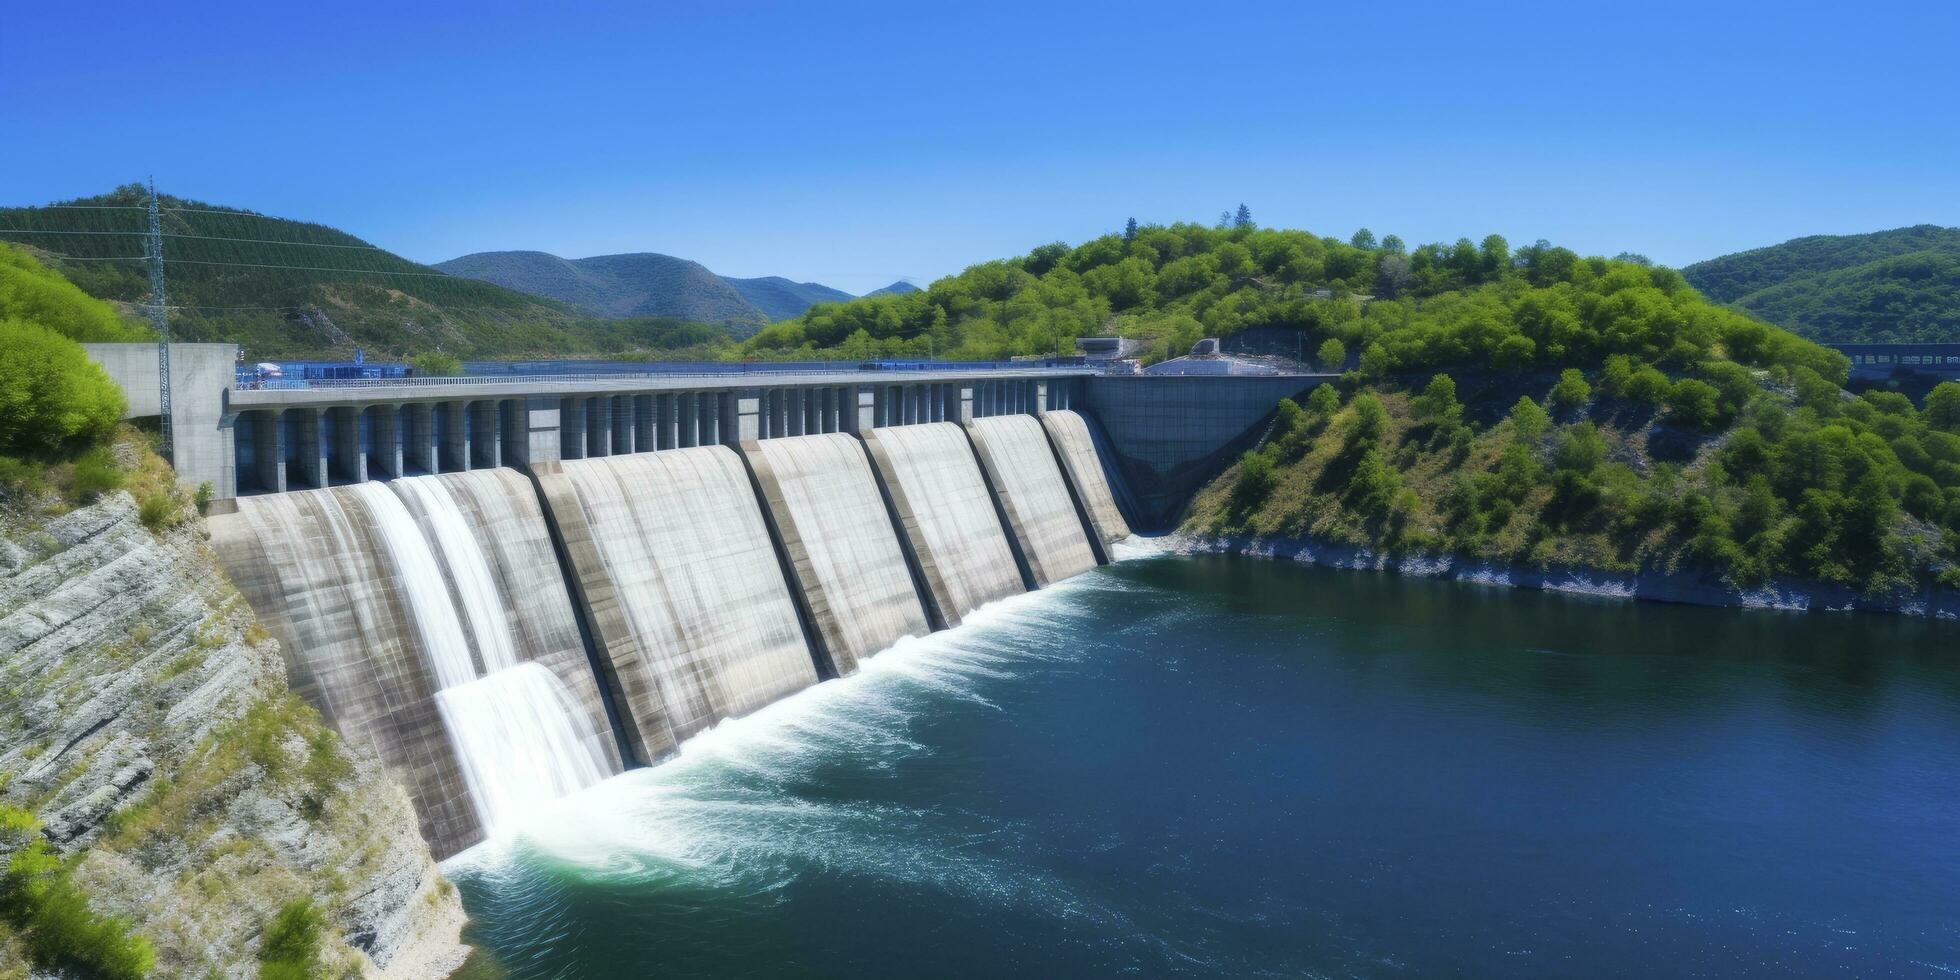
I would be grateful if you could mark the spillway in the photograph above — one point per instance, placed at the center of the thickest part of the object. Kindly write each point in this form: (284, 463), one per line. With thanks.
(947, 515)
(1090, 472)
(686, 600)
(840, 542)
(1034, 496)
(393, 602)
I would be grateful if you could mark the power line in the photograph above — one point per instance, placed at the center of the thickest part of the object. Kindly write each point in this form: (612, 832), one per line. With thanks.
(311, 268)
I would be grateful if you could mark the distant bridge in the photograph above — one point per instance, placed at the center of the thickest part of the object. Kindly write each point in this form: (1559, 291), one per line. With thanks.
(1882, 360)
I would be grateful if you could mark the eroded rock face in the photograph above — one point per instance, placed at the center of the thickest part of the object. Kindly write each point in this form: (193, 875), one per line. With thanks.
(145, 720)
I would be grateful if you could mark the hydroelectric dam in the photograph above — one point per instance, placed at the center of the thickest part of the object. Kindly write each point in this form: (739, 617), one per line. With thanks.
(512, 588)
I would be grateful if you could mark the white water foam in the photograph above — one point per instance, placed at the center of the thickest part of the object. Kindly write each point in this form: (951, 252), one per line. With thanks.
(726, 809)
(519, 750)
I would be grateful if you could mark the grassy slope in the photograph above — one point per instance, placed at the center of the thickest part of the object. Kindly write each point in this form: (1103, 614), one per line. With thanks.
(330, 293)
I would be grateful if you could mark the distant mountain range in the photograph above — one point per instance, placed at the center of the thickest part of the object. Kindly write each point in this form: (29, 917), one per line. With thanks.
(780, 299)
(898, 288)
(651, 284)
(1898, 286)
(287, 289)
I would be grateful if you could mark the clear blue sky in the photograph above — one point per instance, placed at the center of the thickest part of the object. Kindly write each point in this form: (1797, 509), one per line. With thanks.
(857, 145)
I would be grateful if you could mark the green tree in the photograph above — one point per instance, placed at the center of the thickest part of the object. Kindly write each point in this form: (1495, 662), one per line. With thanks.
(1243, 217)
(1129, 231)
(1323, 401)
(1694, 404)
(1580, 449)
(1942, 410)
(1438, 403)
(436, 364)
(1529, 420)
(34, 293)
(1332, 354)
(1572, 389)
(53, 399)
(1363, 239)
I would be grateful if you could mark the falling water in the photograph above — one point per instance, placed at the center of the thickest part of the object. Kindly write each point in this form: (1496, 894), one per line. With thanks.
(420, 580)
(476, 587)
(514, 733)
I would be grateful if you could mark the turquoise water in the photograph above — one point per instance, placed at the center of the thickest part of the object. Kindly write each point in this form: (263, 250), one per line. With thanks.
(1224, 766)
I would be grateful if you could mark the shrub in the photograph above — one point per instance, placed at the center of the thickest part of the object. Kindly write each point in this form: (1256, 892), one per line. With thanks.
(1694, 404)
(292, 942)
(1571, 390)
(1580, 449)
(52, 397)
(205, 491)
(1324, 401)
(1368, 419)
(61, 931)
(33, 293)
(1332, 354)
(157, 511)
(1257, 477)
(94, 475)
(1527, 419)
(1438, 403)
(436, 364)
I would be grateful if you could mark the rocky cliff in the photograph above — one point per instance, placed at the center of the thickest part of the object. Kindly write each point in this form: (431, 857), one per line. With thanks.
(145, 721)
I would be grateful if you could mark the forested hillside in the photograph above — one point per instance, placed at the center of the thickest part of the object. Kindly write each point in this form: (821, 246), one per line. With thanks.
(1560, 411)
(290, 289)
(1898, 286)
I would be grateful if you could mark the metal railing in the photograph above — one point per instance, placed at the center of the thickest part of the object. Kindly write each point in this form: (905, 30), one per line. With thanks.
(621, 379)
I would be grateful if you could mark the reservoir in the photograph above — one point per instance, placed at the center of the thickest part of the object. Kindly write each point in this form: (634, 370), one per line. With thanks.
(1212, 765)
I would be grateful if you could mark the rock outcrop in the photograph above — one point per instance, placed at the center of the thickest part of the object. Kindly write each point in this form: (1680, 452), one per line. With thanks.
(146, 722)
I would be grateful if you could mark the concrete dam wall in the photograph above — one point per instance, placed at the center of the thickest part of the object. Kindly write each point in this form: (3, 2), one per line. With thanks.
(948, 516)
(416, 617)
(504, 638)
(842, 548)
(1033, 496)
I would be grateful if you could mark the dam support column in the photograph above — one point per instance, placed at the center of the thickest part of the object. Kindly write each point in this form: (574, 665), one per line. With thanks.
(623, 430)
(1039, 403)
(598, 426)
(312, 454)
(486, 449)
(867, 408)
(455, 437)
(270, 435)
(666, 425)
(707, 413)
(963, 411)
(384, 456)
(644, 424)
(419, 443)
(741, 417)
(349, 448)
(571, 428)
(689, 427)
